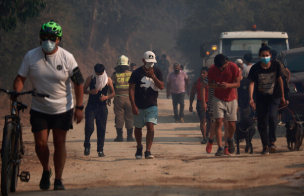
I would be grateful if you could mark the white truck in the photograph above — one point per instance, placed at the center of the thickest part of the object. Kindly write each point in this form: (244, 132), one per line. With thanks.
(236, 44)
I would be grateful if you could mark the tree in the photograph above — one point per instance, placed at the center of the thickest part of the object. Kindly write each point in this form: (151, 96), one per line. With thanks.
(12, 11)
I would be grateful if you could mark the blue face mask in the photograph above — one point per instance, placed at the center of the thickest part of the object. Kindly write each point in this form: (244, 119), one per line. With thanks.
(48, 46)
(265, 60)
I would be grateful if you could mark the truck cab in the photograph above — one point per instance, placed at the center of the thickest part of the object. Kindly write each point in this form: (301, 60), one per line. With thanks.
(236, 44)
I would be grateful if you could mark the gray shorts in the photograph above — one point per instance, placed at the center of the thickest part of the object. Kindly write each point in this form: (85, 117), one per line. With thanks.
(223, 109)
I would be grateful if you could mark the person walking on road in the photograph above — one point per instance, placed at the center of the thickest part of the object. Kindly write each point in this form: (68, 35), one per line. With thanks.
(122, 105)
(248, 62)
(209, 113)
(51, 69)
(265, 78)
(177, 85)
(226, 76)
(97, 109)
(240, 63)
(132, 67)
(201, 103)
(145, 82)
(285, 74)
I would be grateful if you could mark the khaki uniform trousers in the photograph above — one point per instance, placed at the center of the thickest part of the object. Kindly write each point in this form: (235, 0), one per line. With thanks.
(123, 112)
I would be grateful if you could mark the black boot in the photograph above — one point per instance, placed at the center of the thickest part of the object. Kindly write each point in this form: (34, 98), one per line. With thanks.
(130, 137)
(119, 137)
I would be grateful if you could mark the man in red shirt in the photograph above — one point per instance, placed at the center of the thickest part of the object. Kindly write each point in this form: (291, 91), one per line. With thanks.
(226, 79)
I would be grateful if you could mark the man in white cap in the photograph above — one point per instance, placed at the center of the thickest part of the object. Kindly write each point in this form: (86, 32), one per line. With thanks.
(145, 82)
(240, 63)
(122, 105)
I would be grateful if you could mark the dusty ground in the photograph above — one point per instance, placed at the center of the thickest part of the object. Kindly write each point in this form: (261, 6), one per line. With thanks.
(181, 165)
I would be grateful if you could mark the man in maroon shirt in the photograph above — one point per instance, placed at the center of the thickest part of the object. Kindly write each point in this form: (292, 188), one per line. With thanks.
(226, 78)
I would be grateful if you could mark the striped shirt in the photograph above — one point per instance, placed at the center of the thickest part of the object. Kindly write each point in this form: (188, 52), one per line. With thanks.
(211, 93)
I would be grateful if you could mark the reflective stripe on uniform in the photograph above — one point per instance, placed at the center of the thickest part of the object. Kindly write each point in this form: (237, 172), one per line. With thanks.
(124, 95)
(121, 83)
(121, 86)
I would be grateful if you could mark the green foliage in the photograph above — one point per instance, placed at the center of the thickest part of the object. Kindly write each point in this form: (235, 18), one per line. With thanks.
(12, 11)
(209, 18)
(97, 31)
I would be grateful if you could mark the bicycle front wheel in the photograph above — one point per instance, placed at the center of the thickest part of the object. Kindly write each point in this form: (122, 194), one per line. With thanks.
(7, 157)
(15, 172)
(15, 175)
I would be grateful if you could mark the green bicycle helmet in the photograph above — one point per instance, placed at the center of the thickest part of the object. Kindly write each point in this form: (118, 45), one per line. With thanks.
(51, 28)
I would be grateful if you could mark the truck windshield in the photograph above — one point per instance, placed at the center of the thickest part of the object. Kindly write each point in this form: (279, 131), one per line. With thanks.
(240, 47)
(294, 62)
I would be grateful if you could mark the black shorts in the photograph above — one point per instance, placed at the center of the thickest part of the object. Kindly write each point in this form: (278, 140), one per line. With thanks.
(41, 121)
(201, 113)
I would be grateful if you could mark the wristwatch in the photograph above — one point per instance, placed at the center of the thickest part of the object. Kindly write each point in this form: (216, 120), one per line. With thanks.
(79, 107)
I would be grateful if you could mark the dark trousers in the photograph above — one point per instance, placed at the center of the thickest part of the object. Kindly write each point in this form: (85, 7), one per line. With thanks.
(100, 113)
(267, 112)
(178, 99)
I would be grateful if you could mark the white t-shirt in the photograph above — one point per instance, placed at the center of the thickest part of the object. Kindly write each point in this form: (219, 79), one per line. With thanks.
(246, 71)
(51, 77)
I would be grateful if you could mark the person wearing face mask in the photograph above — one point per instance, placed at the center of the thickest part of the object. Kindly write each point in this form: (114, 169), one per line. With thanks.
(51, 70)
(177, 85)
(144, 84)
(97, 109)
(265, 79)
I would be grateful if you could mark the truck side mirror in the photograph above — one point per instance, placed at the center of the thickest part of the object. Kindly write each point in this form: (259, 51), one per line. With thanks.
(203, 50)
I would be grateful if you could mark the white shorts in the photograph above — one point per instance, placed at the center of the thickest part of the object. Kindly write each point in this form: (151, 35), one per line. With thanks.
(224, 109)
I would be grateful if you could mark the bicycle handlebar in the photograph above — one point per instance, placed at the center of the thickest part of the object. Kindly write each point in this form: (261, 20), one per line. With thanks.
(16, 94)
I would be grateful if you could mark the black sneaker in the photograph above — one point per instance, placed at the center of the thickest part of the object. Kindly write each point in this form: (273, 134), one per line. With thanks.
(220, 152)
(148, 155)
(265, 150)
(231, 147)
(86, 151)
(139, 154)
(45, 180)
(58, 185)
(101, 154)
(272, 148)
(204, 141)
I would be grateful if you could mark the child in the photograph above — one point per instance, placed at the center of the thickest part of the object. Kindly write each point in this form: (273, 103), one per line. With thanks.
(201, 102)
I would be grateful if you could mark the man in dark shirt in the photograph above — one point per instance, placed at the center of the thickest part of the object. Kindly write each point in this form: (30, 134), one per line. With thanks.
(145, 82)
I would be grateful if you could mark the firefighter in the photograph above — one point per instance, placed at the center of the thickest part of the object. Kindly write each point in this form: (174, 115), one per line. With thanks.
(122, 106)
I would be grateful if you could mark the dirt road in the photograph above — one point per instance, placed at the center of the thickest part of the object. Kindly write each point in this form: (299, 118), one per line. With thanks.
(181, 165)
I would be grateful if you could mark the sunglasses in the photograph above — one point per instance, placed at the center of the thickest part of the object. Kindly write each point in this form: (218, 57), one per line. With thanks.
(45, 38)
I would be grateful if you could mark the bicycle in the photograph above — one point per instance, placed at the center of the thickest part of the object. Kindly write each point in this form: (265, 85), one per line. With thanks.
(12, 145)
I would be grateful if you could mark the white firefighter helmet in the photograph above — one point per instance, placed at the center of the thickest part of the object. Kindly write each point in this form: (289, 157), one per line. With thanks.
(123, 60)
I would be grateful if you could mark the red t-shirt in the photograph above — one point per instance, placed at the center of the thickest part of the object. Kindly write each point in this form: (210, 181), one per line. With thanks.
(228, 75)
(198, 90)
